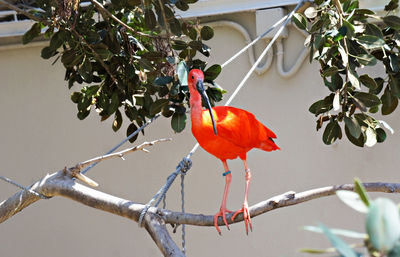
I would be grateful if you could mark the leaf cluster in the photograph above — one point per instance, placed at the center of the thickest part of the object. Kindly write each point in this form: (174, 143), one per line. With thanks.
(126, 57)
(344, 39)
(382, 225)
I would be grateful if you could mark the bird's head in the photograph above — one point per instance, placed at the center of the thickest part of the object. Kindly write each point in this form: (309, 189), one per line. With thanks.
(196, 84)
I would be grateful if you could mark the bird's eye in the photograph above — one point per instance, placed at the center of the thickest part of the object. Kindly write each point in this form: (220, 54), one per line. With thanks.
(192, 77)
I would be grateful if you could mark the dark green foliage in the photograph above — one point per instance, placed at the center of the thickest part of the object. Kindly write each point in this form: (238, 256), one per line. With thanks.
(137, 67)
(344, 39)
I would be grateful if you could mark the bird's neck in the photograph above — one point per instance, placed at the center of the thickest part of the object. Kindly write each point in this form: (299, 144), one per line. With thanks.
(195, 106)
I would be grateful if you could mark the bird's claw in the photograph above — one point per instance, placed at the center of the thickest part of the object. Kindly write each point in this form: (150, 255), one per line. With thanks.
(246, 217)
(222, 213)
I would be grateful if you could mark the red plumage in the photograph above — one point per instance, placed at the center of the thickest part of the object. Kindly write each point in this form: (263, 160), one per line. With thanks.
(227, 134)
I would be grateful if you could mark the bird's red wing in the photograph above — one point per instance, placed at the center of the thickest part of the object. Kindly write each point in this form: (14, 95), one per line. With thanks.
(240, 127)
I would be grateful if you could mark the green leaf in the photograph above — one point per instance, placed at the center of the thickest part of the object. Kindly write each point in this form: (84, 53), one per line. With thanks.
(353, 78)
(179, 45)
(330, 71)
(212, 72)
(383, 224)
(114, 103)
(368, 81)
(47, 52)
(380, 135)
(85, 70)
(352, 200)
(394, 62)
(182, 72)
(356, 141)
(392, 5)
(300, 21)
(160, 81)
(116, 125)
(316, 251)
(367, 99)
(366, 59)
(76, 97)
(353, 126)
(373, 30)
(331, 133)
(395, 251)
(206, 33)
(389, 102)
(131, 129)
(360, 190)
(58, 39)
(392, 21)
(33, 32)
(322, 106)
(156, 106)
(178, 122)
(343, 248)
(83, 114)
(370, 42)
(338, 231)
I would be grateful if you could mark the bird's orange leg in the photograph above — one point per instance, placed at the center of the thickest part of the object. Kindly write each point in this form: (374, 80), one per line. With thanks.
(222, 210)
(245, 209)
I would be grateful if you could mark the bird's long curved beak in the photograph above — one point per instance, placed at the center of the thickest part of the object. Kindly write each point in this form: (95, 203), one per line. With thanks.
(200, 88)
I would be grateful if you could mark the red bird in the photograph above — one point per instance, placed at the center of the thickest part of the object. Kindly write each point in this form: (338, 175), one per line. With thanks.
(227, 133)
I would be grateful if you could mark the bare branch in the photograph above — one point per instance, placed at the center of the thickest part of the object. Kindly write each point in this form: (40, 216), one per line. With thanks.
(279, 201)
(120, 154)
(26, 13)
(155, 225)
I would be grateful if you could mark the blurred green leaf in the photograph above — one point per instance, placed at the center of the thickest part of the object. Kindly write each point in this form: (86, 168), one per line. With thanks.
(383, 224)
(206, 33)
(392, 5)
(392, 21)
(337, 231)
(352, 200)
(33, 32)
(360, 190)
(343, 248)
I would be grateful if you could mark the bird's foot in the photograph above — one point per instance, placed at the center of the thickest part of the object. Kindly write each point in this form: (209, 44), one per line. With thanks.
(246, 217)
(222, 213)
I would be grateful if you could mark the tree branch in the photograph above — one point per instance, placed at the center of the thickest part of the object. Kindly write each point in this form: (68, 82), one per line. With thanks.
(21, 11)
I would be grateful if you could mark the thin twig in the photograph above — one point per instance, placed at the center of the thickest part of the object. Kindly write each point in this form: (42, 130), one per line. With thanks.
(120, 154)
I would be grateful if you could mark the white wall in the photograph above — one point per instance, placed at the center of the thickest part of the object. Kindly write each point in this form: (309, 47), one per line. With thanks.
(39, 134)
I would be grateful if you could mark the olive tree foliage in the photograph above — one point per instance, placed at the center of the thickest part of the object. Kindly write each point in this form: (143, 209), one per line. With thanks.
(344, 39)
(126, 56)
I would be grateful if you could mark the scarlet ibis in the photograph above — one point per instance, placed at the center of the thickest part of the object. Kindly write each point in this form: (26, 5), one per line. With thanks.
(227, 133)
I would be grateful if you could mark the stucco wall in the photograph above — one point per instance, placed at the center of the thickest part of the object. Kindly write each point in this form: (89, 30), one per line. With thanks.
(39, 134)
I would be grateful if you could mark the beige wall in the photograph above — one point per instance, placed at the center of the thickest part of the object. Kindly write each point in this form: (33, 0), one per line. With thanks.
(39, 133)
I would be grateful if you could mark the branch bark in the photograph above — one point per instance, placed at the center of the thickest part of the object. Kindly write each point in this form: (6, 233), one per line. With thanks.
(61, 183)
